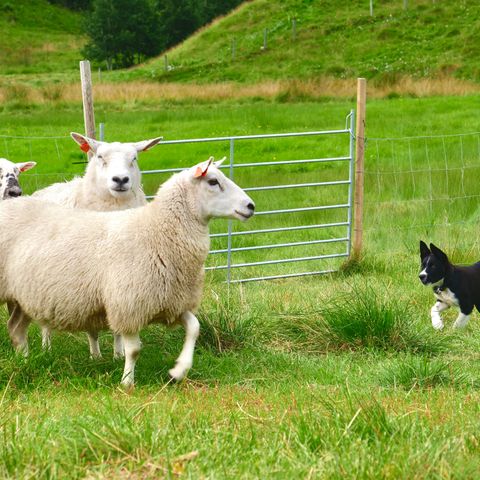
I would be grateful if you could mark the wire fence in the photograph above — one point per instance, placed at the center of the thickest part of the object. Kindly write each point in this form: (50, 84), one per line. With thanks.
(422, 187)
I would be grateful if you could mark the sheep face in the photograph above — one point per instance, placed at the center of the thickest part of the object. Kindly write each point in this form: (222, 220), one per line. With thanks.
(114, 166)
(9, 173)
(116, 169)
(218, 196)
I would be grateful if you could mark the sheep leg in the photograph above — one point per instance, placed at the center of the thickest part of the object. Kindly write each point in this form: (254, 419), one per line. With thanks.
(94, 345)
(118, 351)
(132, 345)
(185, 360)
(17, 328)
(46, 339)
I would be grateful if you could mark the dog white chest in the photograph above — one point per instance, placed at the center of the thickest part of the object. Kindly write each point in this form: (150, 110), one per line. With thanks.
(448, 297)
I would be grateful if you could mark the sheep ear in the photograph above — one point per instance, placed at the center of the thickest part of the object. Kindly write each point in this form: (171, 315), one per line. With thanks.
(23, 167)
(147, 144)
(86, 143)
(219, 162)
(202, 168)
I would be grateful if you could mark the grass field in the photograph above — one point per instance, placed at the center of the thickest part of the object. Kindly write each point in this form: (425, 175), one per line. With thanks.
(339, 376)
(38, 37)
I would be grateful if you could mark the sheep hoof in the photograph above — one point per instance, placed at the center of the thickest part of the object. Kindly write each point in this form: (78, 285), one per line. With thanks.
(178, 373)
(127, 385)
(118, 355)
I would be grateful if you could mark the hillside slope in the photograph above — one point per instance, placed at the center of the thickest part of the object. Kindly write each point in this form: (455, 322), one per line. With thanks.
(338, 39)
(38, 37)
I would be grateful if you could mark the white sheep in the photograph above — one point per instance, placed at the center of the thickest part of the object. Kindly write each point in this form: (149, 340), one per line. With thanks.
(80, 270)
(9, 173)
(112, 181)
(9, 186)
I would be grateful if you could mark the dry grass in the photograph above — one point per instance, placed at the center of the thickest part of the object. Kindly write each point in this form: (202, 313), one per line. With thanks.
(281, 90)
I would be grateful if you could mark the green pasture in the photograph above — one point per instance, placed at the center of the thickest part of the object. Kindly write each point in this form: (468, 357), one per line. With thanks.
(337, 376)
(38, 37)
(426, 40)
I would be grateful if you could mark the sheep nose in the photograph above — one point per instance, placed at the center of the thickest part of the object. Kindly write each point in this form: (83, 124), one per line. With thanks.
(121, 181)
(251, 206)
(14, 192)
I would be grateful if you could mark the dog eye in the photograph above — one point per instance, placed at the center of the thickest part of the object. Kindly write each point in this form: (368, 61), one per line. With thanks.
(213, 182)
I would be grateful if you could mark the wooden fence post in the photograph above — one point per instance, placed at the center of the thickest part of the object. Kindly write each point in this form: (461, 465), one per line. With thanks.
(359, 167)
(87, 97)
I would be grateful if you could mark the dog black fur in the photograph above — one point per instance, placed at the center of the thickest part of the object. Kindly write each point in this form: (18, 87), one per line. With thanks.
(453, 285)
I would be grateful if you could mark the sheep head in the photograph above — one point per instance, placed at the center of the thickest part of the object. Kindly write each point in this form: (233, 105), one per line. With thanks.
(9, 173)
(114, 166)
(217, 195)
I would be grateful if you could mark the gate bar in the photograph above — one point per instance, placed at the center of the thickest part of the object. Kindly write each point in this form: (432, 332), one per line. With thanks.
(272, 262)
(279, 245)
(281, 229)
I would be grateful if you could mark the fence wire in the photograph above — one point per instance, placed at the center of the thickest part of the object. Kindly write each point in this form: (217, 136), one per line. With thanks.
(424, 187)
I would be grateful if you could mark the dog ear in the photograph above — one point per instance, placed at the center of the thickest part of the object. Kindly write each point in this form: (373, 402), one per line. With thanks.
(438, 253)
(424, 251)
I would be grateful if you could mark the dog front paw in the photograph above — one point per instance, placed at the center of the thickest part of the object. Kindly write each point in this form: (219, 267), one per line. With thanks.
(437, 324)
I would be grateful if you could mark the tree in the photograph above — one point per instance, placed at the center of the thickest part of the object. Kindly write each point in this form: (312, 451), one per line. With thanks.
(180, 18)
(73, 4)
(122, 32)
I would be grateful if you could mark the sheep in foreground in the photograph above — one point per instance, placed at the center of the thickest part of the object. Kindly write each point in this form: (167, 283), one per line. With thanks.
(112, 181)
(9, 173)
(86, 271)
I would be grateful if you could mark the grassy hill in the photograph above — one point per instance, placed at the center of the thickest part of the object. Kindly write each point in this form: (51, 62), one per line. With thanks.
(430, 48)
(38, 37)
(339, 39)
(333, 40)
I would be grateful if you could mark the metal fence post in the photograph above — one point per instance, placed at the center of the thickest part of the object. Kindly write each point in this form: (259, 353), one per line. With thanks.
(359, 167)
(265, 33)
(229, 240)
(351, 169)
(102, 132)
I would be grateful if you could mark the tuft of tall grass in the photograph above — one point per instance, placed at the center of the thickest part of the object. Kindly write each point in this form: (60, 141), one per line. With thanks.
(226, 325)
(356, 320)
(352, 419)
(422, 372)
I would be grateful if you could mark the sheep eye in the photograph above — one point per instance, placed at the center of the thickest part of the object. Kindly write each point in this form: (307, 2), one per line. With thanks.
(213, 182)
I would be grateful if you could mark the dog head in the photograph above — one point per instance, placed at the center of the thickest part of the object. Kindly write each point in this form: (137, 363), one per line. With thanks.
(435, 265)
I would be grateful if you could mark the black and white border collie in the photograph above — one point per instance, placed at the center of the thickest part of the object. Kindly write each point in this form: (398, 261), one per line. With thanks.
(453, 285)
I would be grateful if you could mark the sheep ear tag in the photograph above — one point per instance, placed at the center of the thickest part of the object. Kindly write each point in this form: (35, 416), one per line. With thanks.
(201, 172)
(85, 147)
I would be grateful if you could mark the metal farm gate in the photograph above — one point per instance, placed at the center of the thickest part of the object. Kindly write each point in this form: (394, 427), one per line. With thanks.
(323, 203)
